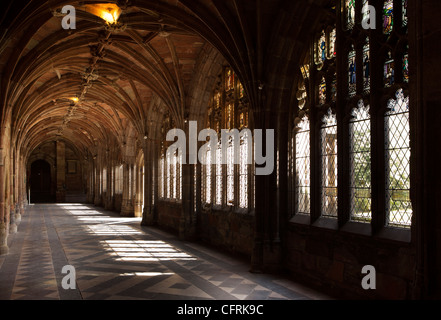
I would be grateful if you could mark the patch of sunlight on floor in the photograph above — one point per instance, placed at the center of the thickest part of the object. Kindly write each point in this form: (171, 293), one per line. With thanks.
(146, 274)
(143, 250)
(108, 220)
(97, 223)
(112, 230)
(84, 213)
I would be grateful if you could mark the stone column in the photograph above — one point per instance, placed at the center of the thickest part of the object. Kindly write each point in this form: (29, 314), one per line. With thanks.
(267, 250)
(22, 184)
(61, 172)
(108, 204)
(97, 183)
(110, 185)
(17, 189)
(187, 226)
(425, 119)
(13, 222)
(4, 220)
(148, 216)
(89, 168)
(127, 209)
(139, 190)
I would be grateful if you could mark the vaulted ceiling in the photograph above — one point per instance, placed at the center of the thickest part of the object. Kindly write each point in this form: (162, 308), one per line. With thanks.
(100, 82)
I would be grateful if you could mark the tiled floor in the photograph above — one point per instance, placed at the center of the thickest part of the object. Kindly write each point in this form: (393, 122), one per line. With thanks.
(116, 258)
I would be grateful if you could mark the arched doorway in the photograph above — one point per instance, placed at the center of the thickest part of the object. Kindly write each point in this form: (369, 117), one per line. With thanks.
(40, 182)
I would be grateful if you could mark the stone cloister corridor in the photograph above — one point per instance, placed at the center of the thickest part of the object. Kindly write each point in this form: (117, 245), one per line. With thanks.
(117, 259)
(220, 149)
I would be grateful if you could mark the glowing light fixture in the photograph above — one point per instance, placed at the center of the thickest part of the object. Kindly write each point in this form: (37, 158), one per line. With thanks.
(75, 99)
(108, 12)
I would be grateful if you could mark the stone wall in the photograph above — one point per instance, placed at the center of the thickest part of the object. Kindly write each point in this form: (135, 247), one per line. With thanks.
(333, 260)
(230, 231)
(169, 215)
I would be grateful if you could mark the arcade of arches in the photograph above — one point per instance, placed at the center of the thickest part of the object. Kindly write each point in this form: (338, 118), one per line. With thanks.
(85, 112)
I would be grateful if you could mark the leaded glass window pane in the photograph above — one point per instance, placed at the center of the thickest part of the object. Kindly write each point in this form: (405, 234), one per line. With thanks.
(229, 79)
(334, 89)
(329, 165)
(388, 16)
(230, 173)
(243, 172)
(161, 177)
(352, 69)
(322, 91)
(350, 14)
(365, 11)
(229, 116)
(169, 178)
(104, 180)
(179, 175)
(332, 52)
(321, 49)
(398, 203)
(389, 71)
(366, 67)
(217, 98)
(360, 160)
(406, 67)
(174, 174)
(303, 167)
(219, 180)
(207, 180)
(404, 12)
(241, 92)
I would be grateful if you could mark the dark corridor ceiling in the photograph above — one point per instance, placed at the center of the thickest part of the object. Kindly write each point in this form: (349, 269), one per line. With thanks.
(98, 83)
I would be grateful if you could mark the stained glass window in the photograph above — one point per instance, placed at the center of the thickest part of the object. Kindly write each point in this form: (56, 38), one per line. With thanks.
(322, 91)
(320, 55)
(398, 204)
(329, 165)
(352, 69)
(305, 71)
(229, 79)
(389, 71)
(365, 11)
(406, 67)
(229, 116)
(334, 88)
(366, 67)
(217, 98)
(241, 90)
(207, 176)
(350, 14)
(173, 175)
(229, 111)
(303, 164)
(388, 17)
(404, 12)
(360, 161)
(241, 120)
(332, 51)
